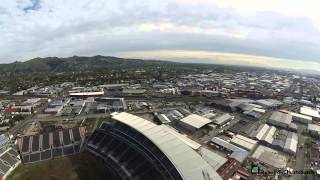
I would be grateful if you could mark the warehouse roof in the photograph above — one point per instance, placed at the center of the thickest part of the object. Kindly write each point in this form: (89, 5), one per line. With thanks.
(189, 164)
(259, 133)
(291, 142)
(196, 121)
(314, 127)
(268, 136)
(237, 153)
(270, 157)
(244, 141)
(301, 116)
(214, 159)
(309, 111)
(280, 117)
(222, 119)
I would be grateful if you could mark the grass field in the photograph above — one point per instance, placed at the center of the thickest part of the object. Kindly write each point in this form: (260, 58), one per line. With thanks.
(82, 166)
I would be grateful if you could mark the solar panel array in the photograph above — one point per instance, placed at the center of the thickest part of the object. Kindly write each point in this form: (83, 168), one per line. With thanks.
(8, 159)
(51, 145)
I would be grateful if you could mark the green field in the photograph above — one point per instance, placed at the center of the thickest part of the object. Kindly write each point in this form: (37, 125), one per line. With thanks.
(82, 166)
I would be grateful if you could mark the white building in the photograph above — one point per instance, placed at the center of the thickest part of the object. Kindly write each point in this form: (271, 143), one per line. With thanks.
(194, 122)
(314, 129)
(314, 113)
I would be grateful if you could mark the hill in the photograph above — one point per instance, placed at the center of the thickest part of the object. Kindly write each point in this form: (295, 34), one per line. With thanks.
(73, 64)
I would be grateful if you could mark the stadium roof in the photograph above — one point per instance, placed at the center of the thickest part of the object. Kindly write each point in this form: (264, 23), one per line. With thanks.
(196, 121)
(188, 163)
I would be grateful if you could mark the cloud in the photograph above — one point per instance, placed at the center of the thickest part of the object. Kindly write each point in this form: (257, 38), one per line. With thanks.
(223, 58)
(35, 28)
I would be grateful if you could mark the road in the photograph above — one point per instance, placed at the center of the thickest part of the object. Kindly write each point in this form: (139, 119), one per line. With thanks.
(300, 157)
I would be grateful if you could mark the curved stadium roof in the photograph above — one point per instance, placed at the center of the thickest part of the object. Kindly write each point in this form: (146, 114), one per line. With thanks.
(188, 163)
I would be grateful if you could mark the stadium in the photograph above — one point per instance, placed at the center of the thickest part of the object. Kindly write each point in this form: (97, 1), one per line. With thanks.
(134, 148)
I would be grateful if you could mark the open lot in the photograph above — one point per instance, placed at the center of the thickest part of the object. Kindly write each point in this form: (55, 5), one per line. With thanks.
(82, 166)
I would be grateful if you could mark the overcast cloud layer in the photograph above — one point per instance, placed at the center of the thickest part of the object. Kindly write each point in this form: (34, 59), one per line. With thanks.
(289, 29)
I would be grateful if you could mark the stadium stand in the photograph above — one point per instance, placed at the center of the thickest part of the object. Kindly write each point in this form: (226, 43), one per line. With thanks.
(52, 145)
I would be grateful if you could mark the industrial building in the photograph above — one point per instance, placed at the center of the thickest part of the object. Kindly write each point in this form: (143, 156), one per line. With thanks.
(244, 142)
(235, 152)
(85, 92)
(314, 113)
(280, 119)
(106, 104)
(163, 118)
(301, 118)
(214, 159)
(221, 120)
(135, 148)
(193, 122)
(269, 103)
(264, 133)
(314, 129)
(270, 157)
(50, 145)
(291, 143)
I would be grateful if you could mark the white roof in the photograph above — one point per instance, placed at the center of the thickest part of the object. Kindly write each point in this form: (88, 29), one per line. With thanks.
(314, 127)
(259, 110)
(214, 159)
(222, 119)
(244, 141)
(301, 116)
(268, 136)
(189, 164)
(261, 131)
(309, 111)
(196, 121)
(291, 142)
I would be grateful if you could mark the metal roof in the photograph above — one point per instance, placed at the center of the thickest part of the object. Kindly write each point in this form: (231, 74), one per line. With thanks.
(309, 111)
(237, 153)
(268, 136)
(291, 142)
(214, 159)
(244, 142)
(314, 127)
(188, 163)
(270, 156)
(259, 133)
(222, 119)
(196, 121)
(279, 117)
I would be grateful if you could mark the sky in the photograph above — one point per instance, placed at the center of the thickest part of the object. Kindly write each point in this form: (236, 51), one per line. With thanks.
(266, 33)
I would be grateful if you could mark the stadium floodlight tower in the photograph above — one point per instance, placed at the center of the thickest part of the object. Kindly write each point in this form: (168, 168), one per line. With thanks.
(134, 148)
